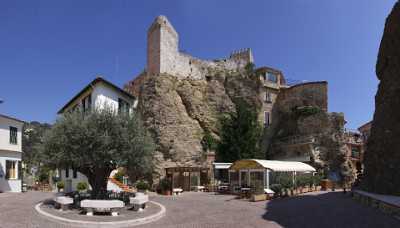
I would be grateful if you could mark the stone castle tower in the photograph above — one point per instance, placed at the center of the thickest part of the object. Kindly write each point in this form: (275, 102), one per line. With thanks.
(163, 55)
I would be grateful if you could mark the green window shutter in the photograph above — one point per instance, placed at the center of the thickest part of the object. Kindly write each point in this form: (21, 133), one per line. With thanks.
(19, 177)
(8, 167)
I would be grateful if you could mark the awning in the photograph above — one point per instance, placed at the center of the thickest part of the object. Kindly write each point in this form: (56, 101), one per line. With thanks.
(277, 166)
(221, 165)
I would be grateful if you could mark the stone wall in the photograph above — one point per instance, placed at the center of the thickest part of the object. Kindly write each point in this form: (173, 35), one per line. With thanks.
(382, 157)
(164, 57)
(316, 137)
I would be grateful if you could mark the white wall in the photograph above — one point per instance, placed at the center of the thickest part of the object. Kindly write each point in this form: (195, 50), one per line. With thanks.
(9, 151)
(9, 185)
(82, 178)
(5, 124)
(103, 95)
(74, 181)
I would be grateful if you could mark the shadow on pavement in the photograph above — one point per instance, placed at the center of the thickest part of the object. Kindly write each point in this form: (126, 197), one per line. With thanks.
(327, 209)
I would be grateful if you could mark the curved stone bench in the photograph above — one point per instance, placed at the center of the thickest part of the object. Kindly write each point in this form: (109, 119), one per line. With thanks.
(63, 202)
(139, 201)
(112, 206)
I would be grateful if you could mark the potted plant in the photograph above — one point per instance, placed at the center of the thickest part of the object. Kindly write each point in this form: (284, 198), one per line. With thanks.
(165, 187)
(82, 187)
(142, 186)
(277, 188)
(258, 194)
(60, 186)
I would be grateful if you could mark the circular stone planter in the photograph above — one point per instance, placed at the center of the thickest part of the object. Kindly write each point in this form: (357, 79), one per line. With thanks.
(90, 221)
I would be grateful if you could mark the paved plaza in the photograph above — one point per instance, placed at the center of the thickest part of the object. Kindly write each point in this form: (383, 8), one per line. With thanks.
(321, 209)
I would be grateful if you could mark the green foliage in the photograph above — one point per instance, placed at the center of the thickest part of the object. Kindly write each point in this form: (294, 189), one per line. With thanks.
(142, 185)
(306, 110)
(119, 176)
(97, 143)
(208, 142)
(303, 180)
(60, 185)
(277, 188)
(286, 181)
(165, 184)
(316, 179)
(240, 134)
(82, 186)
(32, 142)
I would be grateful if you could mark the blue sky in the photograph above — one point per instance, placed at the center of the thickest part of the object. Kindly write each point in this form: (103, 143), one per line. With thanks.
(49, 50)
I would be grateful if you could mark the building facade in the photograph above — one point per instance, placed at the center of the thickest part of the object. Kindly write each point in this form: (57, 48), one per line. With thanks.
(98, 94)
(10, 154)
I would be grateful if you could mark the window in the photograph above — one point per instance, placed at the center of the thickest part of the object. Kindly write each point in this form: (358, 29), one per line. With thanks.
(267, 118)
(355, 153)
(272, 77)
(66, 172)
(74, 173)
(123, 106)
(11, 169)
(13, 135)
(87, 103)
(268, 97)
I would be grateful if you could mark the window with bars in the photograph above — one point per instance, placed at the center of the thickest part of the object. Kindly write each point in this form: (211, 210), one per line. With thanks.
(267, 119)
(11, 169)
(268, 98)
(87, 103)
(123, 106)
(272, 77)
(13, 135)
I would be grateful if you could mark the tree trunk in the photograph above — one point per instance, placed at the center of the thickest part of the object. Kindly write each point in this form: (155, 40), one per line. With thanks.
(98, 181)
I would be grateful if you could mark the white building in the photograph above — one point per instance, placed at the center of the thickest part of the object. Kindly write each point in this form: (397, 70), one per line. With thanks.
(98, 94)
(10, 154)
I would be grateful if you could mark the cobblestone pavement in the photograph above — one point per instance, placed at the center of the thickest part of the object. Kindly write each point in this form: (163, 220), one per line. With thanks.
(331, 209)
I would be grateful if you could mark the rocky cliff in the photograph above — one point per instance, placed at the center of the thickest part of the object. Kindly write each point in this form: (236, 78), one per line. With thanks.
(382, 158)
(303, 130)
(178, 112)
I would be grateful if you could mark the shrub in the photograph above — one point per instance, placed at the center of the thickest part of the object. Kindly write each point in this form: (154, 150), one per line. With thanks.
(60, 185)
(277, 188)
(142, 185)
(306, 110)
(81, 186)
(317, 179)
(165, 185)
(286, 181)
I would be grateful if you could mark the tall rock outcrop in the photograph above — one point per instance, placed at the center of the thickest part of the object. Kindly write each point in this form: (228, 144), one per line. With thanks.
(179, 111)
(382, 158)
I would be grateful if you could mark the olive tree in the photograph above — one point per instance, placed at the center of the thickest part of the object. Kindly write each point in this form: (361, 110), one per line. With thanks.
(98, 142)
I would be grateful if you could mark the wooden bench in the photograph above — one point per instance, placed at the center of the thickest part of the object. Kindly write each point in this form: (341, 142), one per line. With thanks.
(63, 202)
(139, 201)
(177, 191)
(112, 206)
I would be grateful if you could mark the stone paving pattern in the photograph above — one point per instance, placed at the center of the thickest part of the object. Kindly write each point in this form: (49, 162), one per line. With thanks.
(318, 209)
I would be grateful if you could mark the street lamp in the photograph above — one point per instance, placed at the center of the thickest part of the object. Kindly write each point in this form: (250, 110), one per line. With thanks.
(1, 101)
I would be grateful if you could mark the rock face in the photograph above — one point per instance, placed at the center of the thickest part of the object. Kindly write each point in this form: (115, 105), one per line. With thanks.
(303, 130)
(179, 111)
(382, 158)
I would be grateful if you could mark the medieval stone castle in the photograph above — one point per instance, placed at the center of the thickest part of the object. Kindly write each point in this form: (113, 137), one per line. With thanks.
(181, 103)
(163, 55)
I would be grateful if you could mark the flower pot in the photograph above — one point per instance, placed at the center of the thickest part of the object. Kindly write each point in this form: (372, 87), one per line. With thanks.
(258, 197)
